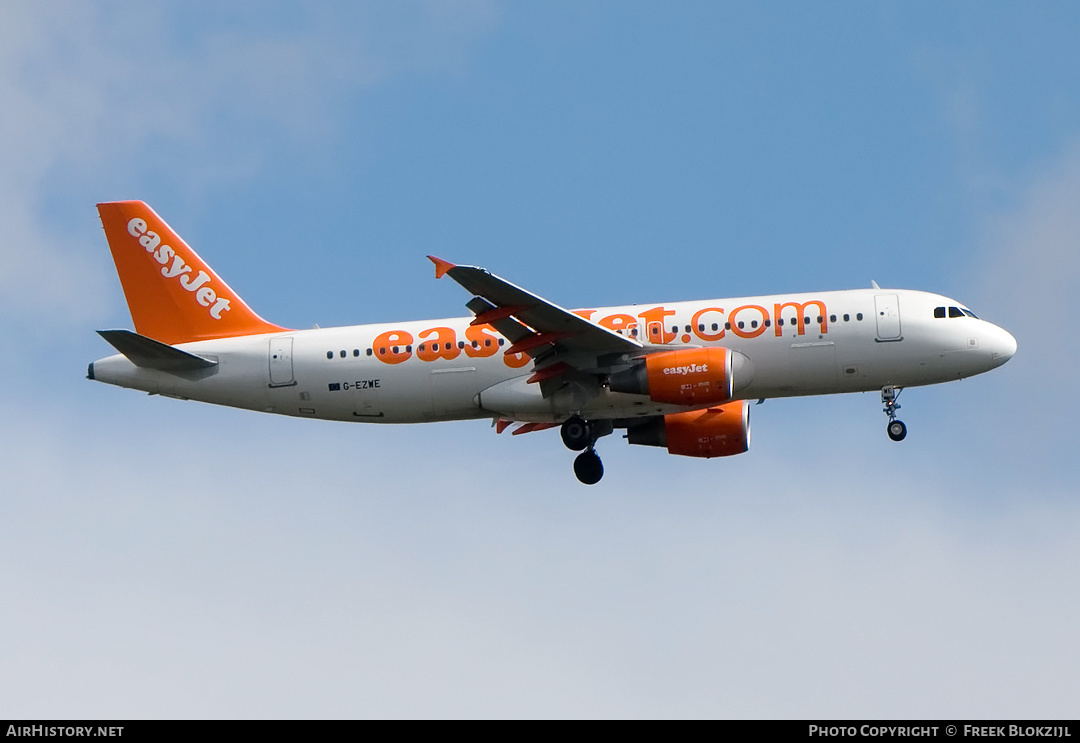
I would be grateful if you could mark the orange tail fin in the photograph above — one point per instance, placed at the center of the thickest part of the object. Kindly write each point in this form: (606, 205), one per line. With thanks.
(173, 295)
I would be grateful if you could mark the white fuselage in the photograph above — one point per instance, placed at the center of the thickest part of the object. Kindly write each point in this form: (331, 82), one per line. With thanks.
(829, 342)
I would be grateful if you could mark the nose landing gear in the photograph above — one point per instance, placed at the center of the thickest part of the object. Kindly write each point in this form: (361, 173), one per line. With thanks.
(580, 435)
(895, 428)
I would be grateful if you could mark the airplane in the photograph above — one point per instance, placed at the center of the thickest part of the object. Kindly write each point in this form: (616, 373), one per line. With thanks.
(676, 375)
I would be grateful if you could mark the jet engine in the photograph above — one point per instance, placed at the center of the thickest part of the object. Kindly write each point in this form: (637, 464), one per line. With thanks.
(715, 432)
(691, 376)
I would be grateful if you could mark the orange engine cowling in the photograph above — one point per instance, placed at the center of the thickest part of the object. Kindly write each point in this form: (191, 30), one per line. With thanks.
(692, 376)
(715, 432)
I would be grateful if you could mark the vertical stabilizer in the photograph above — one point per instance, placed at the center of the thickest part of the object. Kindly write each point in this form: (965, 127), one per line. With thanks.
(173, 295)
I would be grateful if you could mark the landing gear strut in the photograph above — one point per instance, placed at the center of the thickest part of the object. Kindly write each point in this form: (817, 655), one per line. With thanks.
(580, 435)
(895, 428)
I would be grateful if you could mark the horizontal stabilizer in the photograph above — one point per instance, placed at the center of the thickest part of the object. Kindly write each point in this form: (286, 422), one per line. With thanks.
(152, 354)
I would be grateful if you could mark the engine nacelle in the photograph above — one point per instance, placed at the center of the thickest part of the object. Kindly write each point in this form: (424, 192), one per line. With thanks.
(715, 432)
(691, 376)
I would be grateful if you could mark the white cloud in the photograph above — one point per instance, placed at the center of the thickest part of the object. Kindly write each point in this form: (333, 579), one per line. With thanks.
(173, 559)
(117, 94)
(1031, 264)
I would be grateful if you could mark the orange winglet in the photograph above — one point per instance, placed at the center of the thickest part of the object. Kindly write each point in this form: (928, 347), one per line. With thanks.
(530, 427)
(534, 340)
(499, 313)
(502, 424)
(548, 372)
(441, 266)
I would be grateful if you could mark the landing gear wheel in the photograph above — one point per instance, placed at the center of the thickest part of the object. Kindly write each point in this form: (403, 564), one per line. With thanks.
(896, 428)
(576, 434)
(588, 467)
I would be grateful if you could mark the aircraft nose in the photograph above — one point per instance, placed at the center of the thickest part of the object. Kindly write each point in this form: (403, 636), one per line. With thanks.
(1002, 346)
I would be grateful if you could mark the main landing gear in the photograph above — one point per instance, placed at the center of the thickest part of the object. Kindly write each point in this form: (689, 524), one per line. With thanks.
(580, 435)
(895, 428)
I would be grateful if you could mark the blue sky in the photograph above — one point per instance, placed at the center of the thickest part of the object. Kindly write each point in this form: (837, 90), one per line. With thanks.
(161, 558)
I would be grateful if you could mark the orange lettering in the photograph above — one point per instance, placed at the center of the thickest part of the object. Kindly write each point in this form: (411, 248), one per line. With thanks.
(619, 322)
(482, 342)
(748, 333)
(516, 360)
(444, 345)
(389, 347)
(654, 325)
(587, 314)
(800, 309)
(696, 321)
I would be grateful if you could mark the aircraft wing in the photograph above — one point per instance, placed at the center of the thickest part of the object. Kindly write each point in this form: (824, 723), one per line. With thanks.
(532, 324)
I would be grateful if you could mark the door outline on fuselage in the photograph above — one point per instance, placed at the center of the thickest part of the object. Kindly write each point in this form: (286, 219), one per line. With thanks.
(366, 398)
(452, 386)
(280, 360)
(887, 315)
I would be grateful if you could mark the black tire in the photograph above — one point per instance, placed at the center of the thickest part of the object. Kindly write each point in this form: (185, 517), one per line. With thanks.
(576, 433)
(897, 430)
(588, 467)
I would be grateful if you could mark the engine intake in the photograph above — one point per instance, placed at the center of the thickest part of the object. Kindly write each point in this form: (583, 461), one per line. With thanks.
(715, 432)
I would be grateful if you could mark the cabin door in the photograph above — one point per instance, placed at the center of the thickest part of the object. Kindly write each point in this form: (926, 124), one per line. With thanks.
(888, 317)
(281, 366)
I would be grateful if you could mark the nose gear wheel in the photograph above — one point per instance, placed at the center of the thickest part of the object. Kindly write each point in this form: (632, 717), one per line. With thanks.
(895, 428)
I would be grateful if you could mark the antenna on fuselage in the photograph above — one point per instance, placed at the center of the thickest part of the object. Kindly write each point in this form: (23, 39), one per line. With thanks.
(873, 284)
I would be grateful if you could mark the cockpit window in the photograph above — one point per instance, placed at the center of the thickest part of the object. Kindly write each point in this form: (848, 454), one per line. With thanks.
(955, 312)
(969, 313)
(939, 312)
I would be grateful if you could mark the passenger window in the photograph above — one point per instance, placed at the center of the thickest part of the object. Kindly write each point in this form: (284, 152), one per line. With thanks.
(768, 323)
(832, 318)
(741, 324)
(939, 312)
(780, 321)
(847, 318)
(329, 354)
(715, 327)
(356, 352)
(369, 352)
(858, 316)
(753, 323)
